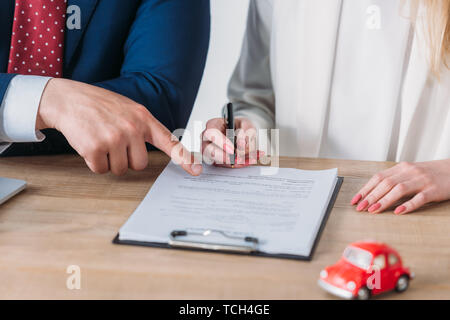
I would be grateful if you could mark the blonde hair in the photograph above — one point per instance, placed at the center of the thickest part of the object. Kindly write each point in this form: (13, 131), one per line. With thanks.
(437, 14)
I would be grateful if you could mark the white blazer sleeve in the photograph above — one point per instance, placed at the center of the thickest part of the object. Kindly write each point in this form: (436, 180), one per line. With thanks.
(250, 88)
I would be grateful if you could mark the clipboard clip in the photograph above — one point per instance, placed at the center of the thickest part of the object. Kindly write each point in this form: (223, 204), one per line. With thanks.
(250, 244)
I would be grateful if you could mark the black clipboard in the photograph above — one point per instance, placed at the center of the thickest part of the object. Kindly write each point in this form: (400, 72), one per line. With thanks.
(337, 188)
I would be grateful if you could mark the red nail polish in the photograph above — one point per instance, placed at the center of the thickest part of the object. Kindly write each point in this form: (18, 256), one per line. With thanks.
(356, 199)
(400, 210)
(363, 205)
(374, 207)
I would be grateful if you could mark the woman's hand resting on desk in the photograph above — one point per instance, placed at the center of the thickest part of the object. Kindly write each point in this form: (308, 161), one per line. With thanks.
(217, 148)
(422, 183)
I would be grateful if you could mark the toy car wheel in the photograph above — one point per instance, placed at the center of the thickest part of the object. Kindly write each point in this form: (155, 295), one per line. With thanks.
(402, 284)
(363, 294)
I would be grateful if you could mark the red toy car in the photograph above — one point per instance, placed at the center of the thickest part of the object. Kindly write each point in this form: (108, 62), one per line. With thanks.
(366, 269)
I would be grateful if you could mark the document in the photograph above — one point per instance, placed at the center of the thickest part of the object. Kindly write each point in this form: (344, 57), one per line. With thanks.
(284, 211)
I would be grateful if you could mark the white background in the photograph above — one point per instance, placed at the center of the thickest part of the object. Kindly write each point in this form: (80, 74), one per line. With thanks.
(228, 21)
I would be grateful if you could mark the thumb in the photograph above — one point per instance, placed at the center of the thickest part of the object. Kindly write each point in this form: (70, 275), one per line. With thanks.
(159, 136)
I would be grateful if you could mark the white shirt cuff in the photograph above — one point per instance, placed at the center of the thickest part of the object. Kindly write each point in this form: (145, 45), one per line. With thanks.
(19, 108)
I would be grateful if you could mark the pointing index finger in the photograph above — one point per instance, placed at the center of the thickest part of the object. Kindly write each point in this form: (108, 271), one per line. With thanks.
(159, 136)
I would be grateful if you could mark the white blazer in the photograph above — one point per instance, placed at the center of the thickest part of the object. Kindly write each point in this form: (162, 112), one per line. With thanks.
(303, 70)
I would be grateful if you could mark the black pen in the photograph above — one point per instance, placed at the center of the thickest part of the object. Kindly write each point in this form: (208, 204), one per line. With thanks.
(230, 130)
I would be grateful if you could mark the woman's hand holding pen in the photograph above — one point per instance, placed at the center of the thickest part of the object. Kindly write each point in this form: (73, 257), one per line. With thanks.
(217, 148)
(422, 183)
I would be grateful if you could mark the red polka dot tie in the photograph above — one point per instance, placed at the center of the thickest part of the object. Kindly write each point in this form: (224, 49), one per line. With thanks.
(37, 41)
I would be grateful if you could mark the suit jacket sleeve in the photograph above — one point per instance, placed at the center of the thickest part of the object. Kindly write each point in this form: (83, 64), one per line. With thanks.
(250, 87)
(164, 58)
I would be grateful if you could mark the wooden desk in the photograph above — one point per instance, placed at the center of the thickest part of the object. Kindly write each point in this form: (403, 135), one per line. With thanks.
(68, 216)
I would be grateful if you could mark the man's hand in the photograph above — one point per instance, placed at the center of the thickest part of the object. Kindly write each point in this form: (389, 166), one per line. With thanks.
(107, 129)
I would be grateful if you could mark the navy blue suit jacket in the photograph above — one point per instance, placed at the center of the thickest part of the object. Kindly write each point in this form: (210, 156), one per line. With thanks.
(152, 51)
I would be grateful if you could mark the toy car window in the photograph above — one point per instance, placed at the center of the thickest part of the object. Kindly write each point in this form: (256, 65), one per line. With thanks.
(380, 261)
(358, 257)
(392, 259)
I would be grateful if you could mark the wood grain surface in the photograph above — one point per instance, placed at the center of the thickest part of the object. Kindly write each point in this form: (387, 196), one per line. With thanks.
(69, 216)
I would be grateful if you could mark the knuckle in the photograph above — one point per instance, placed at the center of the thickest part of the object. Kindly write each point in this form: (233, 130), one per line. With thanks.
(417, 171)
(130, 127)
(388, 182)
(172, 140)
(378, 177)
(207, 134)
(114, 137)
(248, 123)
(213, 134)
(175, 147)
(427, 179)
(433, 192)
(405, 165)
(213, 123)
(91, 150)
(251, 132)
(413, 168)
(99, 147)
(141, 111)
(401, 188)
(421, 197)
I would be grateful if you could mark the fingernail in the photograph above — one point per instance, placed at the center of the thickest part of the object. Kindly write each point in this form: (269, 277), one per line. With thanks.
(400, 210)
(363, 205)
(356, 199)
(196, 169)
(374, 207)
(228, 149)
